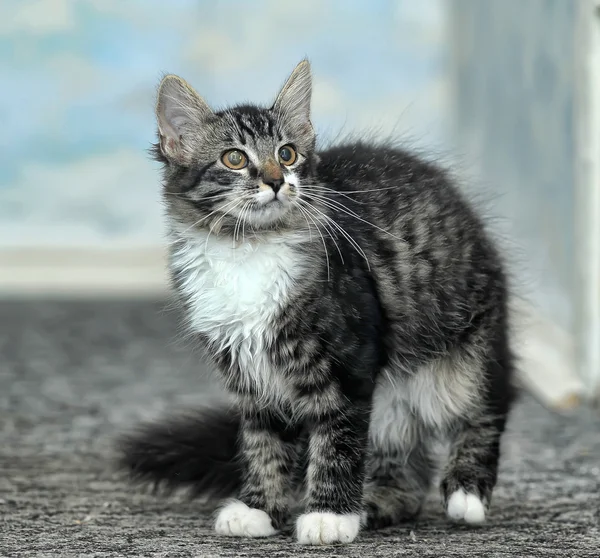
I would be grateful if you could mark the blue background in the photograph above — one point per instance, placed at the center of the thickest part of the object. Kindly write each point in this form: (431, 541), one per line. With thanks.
(78, 81)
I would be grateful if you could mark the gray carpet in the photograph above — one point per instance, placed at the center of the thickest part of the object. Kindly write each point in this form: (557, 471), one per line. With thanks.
(74, 374)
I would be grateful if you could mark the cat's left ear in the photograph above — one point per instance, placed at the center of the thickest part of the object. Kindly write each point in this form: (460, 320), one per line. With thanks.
(293, 101)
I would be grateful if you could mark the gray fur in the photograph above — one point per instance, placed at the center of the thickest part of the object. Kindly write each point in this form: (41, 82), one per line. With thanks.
(357, 302)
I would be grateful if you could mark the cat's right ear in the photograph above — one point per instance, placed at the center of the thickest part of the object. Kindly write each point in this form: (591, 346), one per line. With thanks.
(180, 111)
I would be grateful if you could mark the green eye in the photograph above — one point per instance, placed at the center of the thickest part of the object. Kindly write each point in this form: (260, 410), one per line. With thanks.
(287, 155)
(234, 159)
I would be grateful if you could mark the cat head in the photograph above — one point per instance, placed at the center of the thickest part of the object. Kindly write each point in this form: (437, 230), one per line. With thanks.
(243, 164)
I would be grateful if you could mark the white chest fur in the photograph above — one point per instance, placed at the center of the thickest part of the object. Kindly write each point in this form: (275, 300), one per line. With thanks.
(235, 294)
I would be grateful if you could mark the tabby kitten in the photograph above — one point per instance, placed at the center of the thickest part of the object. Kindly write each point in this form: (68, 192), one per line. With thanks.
(355, 308)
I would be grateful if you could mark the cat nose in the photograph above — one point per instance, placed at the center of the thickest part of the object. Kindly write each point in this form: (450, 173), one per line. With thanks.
(274, 183)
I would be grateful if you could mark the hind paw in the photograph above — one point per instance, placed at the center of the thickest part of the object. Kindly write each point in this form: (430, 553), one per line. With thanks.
(466, 507)
(386, 506)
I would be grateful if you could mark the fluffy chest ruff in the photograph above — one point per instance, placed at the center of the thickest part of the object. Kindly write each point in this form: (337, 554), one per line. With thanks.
(235, 294)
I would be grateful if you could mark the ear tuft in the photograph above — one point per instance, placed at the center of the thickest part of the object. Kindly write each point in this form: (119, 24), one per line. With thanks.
(179, 110)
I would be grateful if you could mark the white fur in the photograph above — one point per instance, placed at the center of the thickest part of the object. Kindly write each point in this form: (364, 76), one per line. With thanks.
(319, 528)
(465, 507)
(236, 519)
(235, 293)
(433, 396)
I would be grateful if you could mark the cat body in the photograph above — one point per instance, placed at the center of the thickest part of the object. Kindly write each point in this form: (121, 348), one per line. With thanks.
(355, 309)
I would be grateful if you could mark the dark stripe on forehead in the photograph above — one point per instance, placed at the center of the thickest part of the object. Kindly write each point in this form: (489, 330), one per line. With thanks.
(228, 137)
(256, 120)
(270, 126)
(251, 123)
(241, 138)
(245, 130)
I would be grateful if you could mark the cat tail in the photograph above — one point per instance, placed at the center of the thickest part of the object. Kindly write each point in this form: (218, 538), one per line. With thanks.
(195, 451)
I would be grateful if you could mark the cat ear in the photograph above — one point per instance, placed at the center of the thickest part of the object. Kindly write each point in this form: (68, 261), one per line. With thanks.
(180, 111)
(293, 101)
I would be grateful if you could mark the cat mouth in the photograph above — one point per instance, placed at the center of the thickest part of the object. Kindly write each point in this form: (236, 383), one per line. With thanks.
(274, 195)
(273, 200)
(267, 212)
(276, 204)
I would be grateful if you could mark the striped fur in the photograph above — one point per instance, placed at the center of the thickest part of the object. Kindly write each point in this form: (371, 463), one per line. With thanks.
(357, 314)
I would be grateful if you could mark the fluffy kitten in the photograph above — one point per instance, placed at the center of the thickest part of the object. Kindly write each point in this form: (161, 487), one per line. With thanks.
(355, 308)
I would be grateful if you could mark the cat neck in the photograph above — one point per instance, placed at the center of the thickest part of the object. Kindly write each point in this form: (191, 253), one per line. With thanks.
(226, 243)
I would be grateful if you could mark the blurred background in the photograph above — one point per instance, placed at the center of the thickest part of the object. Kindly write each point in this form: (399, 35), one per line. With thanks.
(505, 92)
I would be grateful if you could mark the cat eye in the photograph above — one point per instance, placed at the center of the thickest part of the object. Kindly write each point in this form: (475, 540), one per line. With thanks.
(287, 155)
(234, 159)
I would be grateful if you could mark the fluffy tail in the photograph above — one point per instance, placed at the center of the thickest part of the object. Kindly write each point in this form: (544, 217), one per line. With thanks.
(195, 451)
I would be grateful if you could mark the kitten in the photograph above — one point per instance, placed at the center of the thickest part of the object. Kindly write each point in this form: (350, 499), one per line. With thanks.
(355, 308)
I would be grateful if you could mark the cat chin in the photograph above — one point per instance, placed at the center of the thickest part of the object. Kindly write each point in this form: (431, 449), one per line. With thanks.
(267, 215)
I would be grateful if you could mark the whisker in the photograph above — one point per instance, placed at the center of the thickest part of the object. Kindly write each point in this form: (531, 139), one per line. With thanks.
(244, 221)
(346, 235)
(238, 222)
(326, 190)
(207, 216)
(201, 198)
(336, 205)
(350, 239)
(350, 191)
(235, 227)
(241, 220)
(324, 245)
(237, 202)
(301, 209)
(328, 229)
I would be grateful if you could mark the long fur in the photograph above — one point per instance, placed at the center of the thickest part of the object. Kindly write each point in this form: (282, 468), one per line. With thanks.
(357, 312)
(197, 451)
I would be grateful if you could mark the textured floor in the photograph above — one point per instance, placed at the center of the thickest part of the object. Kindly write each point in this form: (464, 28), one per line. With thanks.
(73, 375)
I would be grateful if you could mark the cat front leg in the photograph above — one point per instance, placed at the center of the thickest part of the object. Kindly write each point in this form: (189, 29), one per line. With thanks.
(267, 455)
(335, 477)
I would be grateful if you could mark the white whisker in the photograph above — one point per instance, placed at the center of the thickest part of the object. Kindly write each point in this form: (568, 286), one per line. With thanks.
(344, 233)
(324, 244)
(350, 191)
(207, 216)
(237, 202)
(301, 209)
(325, 190)
(330, 231)
(337, 206)
(238, 222)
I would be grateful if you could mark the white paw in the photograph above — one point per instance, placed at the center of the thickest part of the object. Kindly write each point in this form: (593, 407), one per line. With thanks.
(465, 507)
(236, 519)
(327, 528)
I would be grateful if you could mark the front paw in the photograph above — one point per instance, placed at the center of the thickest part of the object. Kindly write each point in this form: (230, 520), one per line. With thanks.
(327, 528)
(236, 519)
